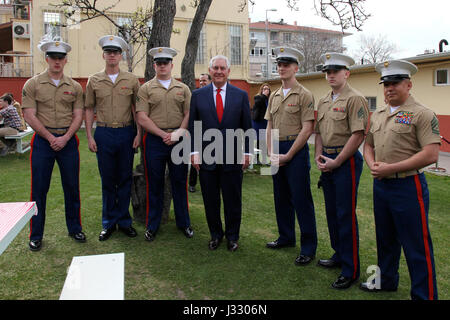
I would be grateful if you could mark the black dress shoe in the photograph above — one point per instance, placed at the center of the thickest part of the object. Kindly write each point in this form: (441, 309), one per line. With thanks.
(106, 233)
(277, 245)
(79, 237)
(130, 231)
(343, 282)
(214, 244)
(188, 232)
(232, 245)
(149, 235)
(328, 263)
(365, 287)
(191, 189)
(35, 245)
(303, 260)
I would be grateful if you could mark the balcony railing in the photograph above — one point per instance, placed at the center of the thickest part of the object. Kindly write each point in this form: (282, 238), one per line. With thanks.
(16, 65)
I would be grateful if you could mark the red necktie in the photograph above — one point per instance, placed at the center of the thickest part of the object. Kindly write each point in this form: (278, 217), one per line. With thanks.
(219, 105)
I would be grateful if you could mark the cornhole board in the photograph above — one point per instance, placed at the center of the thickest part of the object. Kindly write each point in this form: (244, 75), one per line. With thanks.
(13, 217)
(95, 277)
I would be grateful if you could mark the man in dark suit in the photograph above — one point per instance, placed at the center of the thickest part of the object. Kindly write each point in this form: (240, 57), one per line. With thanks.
(222, 107)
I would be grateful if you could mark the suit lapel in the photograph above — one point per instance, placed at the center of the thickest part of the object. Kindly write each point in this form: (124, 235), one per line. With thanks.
(211, 102)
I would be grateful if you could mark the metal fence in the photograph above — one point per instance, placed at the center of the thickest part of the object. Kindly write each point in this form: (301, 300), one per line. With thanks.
(16, 65)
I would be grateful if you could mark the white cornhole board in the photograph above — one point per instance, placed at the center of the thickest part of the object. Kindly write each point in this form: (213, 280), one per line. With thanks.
(13, 217)
(96, 277)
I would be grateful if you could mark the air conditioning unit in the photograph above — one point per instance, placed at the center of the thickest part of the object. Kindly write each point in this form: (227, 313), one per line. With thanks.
(21, 30)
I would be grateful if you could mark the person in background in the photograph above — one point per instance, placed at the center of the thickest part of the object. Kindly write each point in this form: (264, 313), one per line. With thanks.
(204, 80)
(261, 101)
(17, 105)
(11, 122)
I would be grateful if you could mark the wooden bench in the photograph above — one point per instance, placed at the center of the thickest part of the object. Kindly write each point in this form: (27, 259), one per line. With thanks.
(18, 137)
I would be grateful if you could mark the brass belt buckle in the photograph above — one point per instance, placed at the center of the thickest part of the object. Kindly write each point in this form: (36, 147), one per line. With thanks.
(115, 125)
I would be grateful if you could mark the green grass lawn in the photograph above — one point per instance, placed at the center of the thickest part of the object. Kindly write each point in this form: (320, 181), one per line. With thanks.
(174, 267)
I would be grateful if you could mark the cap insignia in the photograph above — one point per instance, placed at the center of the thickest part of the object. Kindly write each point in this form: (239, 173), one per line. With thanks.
(282, 50)
(111, 38)
(386, 64)
(160, 49)
(328, 56)
(57, 43)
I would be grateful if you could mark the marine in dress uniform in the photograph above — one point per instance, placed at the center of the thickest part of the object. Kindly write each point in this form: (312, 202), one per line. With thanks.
(291, 111)
(342, 118)
(163, 112)
(112, 92)
(53, 107)
(403, 138)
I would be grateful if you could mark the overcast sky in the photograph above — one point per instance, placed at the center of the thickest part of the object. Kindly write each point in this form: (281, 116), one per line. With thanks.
(413, 25)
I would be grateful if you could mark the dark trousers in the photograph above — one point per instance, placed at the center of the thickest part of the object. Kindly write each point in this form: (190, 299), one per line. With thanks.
(157, 155)
(292, 195)
(192, 177)
(115, 156)
(212, 183)
(42, 159)
(340, 189)
(401, 220)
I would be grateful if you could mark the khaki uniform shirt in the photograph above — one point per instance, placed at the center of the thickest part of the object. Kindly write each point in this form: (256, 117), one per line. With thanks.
(400, 135)
(337, 120)
(288, 113)
(113, 101)
(54, 104)
(166, 107)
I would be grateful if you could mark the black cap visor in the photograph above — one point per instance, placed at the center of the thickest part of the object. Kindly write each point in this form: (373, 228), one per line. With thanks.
(163, 60)
(56, 55)
(394, 78)
(287, 60)
(333, 67)
(112, 49)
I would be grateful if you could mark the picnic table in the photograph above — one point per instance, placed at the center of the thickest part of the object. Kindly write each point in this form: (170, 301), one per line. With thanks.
(13, 217)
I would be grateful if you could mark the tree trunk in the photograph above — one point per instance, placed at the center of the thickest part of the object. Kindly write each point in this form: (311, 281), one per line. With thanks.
(188, 64)
(163, 16)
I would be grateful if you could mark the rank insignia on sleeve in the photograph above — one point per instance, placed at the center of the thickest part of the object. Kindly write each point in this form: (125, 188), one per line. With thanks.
(24, 93)
(435, 125)
(361, 113)
(404, 117)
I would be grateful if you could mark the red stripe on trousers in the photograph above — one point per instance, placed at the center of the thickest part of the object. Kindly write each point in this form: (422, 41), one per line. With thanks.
(31, 173)
(79, 194)
(425, 236)
(355, 249)
(147, 205)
